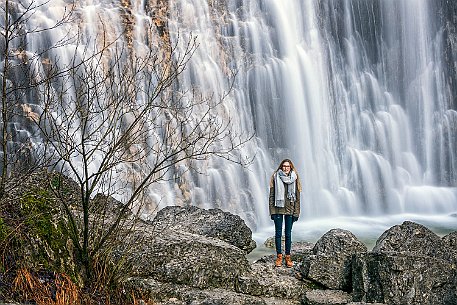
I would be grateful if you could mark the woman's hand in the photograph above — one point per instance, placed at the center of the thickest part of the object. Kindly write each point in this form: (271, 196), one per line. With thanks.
(294, 218)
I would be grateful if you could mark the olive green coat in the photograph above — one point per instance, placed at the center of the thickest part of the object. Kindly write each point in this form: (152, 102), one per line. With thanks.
(290, 207)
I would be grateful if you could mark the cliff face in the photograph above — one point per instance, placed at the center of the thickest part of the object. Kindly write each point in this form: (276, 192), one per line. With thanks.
(447, 10)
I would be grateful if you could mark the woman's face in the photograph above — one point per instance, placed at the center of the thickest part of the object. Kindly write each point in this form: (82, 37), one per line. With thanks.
(286, 167)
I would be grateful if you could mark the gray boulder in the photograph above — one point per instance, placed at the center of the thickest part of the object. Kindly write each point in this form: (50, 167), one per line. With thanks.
(211, 223)
(268, 281)
(174, 294)
(190, 259)
(450, 240)
(331, 297)
(401, 278)
(414, 238)
(330, 264)
(338, 241)
(326, 297)
(191, 246)
(408, 265)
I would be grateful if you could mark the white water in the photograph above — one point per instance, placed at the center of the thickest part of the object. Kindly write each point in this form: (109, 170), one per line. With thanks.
(358, 103)
(353, 91)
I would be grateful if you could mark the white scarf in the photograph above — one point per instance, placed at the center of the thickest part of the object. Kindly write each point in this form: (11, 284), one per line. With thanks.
(280, 179)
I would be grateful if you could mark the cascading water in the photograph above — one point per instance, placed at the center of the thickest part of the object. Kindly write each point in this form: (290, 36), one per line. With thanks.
(359, 94)
(354, 92)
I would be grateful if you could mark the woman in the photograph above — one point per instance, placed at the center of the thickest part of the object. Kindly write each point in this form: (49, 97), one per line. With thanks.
(284, 204)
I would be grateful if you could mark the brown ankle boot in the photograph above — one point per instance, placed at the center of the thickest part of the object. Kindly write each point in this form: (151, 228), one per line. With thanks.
(278, 262)
(289, 262)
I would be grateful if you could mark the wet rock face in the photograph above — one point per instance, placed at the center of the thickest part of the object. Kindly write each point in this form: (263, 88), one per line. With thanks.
(210, 223)
(447, 13)
(330, 264)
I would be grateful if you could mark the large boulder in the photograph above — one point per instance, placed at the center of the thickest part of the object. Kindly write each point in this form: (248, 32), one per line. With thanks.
(174, 294)
(211, 223)
(411, 237)
(267, 281)
(330, 264)
(186, 246)
(408, 265)
(338, 241)
(190, 259)
(326, 297)
(401, 278)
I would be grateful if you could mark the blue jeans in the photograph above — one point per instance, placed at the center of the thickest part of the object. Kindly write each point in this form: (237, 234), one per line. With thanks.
(277, 218)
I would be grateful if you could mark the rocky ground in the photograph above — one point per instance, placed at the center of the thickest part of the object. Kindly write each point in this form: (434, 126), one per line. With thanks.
(197, 256)
(188, 255)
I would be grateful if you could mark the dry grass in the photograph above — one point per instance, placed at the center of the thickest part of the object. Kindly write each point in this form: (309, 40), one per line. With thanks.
(61, 291)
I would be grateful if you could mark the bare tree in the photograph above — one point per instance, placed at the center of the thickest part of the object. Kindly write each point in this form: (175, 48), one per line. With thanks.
(118, 124)
(20, 73)
(111, 118)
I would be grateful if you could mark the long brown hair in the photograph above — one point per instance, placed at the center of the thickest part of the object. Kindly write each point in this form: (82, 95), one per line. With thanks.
(292, 168)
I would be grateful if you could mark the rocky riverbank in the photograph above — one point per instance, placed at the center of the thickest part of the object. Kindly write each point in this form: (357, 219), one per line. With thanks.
(197, 256)
(188, 255)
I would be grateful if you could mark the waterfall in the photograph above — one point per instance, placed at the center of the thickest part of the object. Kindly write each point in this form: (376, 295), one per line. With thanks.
(360, 95)
(354, 92)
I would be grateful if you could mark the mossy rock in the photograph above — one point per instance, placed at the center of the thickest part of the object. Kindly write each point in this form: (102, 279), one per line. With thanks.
(45, 241)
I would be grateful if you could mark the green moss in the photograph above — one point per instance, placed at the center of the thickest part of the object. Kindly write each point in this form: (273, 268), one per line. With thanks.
(39, 212)
(59, 185)
(3, 230)
(56, 181)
